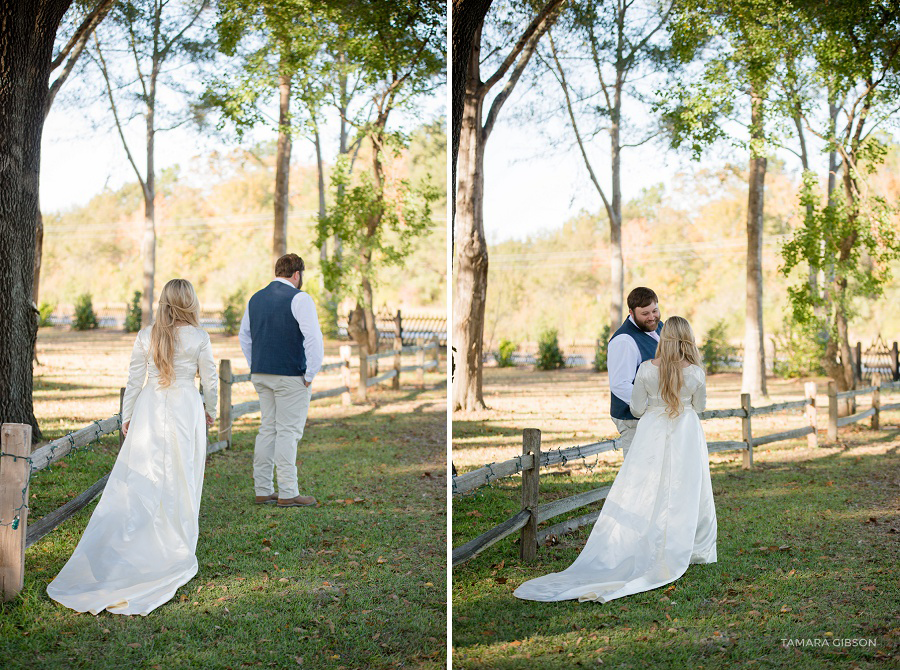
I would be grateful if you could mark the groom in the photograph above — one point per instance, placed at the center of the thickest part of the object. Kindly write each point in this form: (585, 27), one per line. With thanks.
(282, 342)
(633, 343)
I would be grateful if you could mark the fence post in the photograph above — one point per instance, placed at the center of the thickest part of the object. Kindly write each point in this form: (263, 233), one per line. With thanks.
(895, 362)
(747, 432)
(226, 379)
(420, 362)
(15, 445)
(346, 380)
(531, 444)
(812, 440)
(121, 418)
(398, 345)
(362, 388)
(876, 399)
(832, 411)
(436, 354)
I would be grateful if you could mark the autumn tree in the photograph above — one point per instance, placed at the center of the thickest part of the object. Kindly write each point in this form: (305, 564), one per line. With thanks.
(849, 237)
(147, 47)
(470, 244)
(400, 53)
(623, 43)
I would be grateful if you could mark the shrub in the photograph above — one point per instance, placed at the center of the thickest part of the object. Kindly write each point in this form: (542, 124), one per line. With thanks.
(504, 356)
(799, 350)
(134, 314)
(46, 311)
(716, 351)
(601, 351)
(550, 356)
(85, 317)
(234, 312)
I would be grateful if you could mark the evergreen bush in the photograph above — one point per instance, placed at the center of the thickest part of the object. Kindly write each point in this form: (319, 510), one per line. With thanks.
(550, 356)
(234, 312)
(799, 350)
(134, 314)
(46, 311)
(85, 317)
(601, 351)
(505, 354)
(716, 351)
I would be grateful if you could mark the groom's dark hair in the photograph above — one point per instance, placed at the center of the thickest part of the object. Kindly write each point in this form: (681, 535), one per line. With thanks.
(288, 264)
(641, 297)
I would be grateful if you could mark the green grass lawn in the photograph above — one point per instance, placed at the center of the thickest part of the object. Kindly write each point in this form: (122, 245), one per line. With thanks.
(808, 549)
(357, 582)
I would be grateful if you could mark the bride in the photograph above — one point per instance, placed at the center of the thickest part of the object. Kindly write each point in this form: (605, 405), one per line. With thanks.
(138, 548)
(659, 515)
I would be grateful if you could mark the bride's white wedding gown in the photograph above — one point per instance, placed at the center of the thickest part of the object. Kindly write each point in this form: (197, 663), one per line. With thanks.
(659, 515)
(138, 548)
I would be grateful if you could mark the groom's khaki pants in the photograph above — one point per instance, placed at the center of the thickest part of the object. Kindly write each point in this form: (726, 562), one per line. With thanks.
(284, 404)
(626, 433)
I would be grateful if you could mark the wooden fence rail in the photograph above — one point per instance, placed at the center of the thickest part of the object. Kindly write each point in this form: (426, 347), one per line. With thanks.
(532, 459)
(18, 463)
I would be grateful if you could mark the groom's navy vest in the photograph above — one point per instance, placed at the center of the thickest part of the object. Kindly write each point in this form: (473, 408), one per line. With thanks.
(618, 408)
(276, 340)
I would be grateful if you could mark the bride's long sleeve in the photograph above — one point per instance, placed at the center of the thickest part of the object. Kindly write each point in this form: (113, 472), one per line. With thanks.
(639, 397)
(137, 373)
(698, 397)
(208, 376)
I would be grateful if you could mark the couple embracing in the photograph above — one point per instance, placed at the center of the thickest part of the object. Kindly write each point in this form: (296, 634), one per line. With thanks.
(659, 515)
(140, 544)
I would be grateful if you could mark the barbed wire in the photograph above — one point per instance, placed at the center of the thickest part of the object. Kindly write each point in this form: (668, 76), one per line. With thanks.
(17, 511)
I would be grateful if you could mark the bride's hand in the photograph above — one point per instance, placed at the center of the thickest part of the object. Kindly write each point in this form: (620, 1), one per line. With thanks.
(125, 428)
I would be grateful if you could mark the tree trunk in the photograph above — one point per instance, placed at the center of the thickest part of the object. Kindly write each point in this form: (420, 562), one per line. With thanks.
(148, 246)
(470, 291)
(753, 378)
(27, 33)
(38, 257)
(282, 169)
(468, 18)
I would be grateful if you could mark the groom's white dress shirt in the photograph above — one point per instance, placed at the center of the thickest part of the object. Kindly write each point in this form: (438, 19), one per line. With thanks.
(304, 311)
(622, 361)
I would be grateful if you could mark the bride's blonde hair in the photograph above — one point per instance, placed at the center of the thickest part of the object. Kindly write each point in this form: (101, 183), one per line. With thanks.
(178, 304)
(676, 344)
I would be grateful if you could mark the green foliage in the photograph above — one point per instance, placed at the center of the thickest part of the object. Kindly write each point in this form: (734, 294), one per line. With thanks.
(855, 246)
(46, 311)
(716, 351)
(134, 314)
(800, 350)
(601, 351)
(234, 312)
(504, 355)
(378, 225)
(85, 317)
(550, 356)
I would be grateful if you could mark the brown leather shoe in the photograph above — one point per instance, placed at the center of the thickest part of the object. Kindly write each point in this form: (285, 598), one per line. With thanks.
(265, 500)
(299, 501)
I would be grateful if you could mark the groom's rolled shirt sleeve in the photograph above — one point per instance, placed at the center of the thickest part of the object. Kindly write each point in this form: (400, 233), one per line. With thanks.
(304, 310)
(244, 335)
(623, 358)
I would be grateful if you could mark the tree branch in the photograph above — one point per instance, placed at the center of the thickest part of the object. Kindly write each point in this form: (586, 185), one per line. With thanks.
(547, 19)
(112, 106)
(538, 26)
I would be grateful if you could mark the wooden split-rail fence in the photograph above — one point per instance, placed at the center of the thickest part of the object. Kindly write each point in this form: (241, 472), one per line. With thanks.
(18, 463)
(533, 513)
